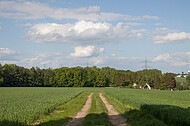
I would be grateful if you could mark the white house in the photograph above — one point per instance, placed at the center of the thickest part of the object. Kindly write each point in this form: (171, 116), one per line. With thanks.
(188, 73)
(147, 86)
(134, 84)
(178, 76)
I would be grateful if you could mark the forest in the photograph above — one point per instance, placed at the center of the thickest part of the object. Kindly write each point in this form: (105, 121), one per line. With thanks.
(12, 75)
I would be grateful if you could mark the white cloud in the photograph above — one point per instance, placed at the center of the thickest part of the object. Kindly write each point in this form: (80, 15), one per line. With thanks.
(7, 54)
(83, 32)
(163, 57)
(0, 28)
(47, 59)
(6, 51)
(98, 60)
(166, 61)
(174, 59)
(55, 59)
(22, 9)
(162, 31)
(114, 16)
(172, 38)
(88, 51)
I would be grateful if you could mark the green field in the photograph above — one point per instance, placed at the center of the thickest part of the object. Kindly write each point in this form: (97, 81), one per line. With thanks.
(181, 79)
(22, 106)
(171, 107)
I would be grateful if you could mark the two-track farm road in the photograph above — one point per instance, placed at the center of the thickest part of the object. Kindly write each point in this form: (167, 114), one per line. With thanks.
(115, 118)
(78, 119)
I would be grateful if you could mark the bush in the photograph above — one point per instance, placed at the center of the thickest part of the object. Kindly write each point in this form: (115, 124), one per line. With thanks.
(130, 86)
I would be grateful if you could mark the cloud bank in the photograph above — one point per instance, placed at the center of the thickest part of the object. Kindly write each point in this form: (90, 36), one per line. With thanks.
(172, 38)
(22, 9)
(174, 59)
(83, 32)
(7, 54)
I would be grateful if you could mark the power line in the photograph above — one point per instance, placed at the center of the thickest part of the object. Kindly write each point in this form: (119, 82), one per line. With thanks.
(146, 63)
(44, 66)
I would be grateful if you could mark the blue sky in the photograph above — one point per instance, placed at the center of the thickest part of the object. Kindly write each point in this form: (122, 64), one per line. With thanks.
(117, 33)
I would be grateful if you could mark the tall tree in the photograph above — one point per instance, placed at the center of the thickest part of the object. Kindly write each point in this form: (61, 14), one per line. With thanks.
(157, 82)
(170, 81)
(1, 76)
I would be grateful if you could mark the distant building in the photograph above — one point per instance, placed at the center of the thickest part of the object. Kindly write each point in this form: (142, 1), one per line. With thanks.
(134, 85)
(181, 75)
(184, 75)
(178, 75)
(188, 72)
(147, 86)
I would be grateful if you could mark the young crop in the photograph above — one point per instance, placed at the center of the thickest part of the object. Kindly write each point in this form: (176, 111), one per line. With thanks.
(170, 107)
(21, 106)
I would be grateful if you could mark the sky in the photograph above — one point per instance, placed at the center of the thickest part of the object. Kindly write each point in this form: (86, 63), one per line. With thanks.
(121, 34)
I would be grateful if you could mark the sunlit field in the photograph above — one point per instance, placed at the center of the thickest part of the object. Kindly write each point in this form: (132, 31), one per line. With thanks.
(21, 106)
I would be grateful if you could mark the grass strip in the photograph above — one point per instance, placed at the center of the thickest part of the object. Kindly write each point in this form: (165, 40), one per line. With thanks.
(65, 112)
(97, 115)
(134, 116)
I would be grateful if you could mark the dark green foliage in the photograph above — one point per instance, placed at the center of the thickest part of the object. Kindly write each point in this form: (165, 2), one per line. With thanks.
(140, 118)
(123, 79)
(183, 83)
(147, 76)
(169, 80)
(10, 123)
(171, 115)
(15, 76)
(188, 78)
(186, 86)
(157, 82)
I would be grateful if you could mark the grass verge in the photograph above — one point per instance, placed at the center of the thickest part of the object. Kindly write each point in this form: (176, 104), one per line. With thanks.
(65, 112)
(134, 116)
(97, 115)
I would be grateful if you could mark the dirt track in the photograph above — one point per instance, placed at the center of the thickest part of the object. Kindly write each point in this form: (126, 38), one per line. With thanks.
(115, 118)
(78, 119)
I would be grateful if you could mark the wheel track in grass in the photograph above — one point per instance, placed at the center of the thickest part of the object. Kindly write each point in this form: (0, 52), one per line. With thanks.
(78, 119)
(115, 118)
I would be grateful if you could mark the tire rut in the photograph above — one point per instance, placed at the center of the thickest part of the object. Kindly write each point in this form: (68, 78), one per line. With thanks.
(78, 119)
(115, 118)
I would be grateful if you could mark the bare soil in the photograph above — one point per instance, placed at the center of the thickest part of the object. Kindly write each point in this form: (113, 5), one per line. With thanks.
(78, 119)
(115, 118)
(58, 111)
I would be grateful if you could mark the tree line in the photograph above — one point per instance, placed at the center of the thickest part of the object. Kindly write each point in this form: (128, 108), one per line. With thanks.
(12, 75)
